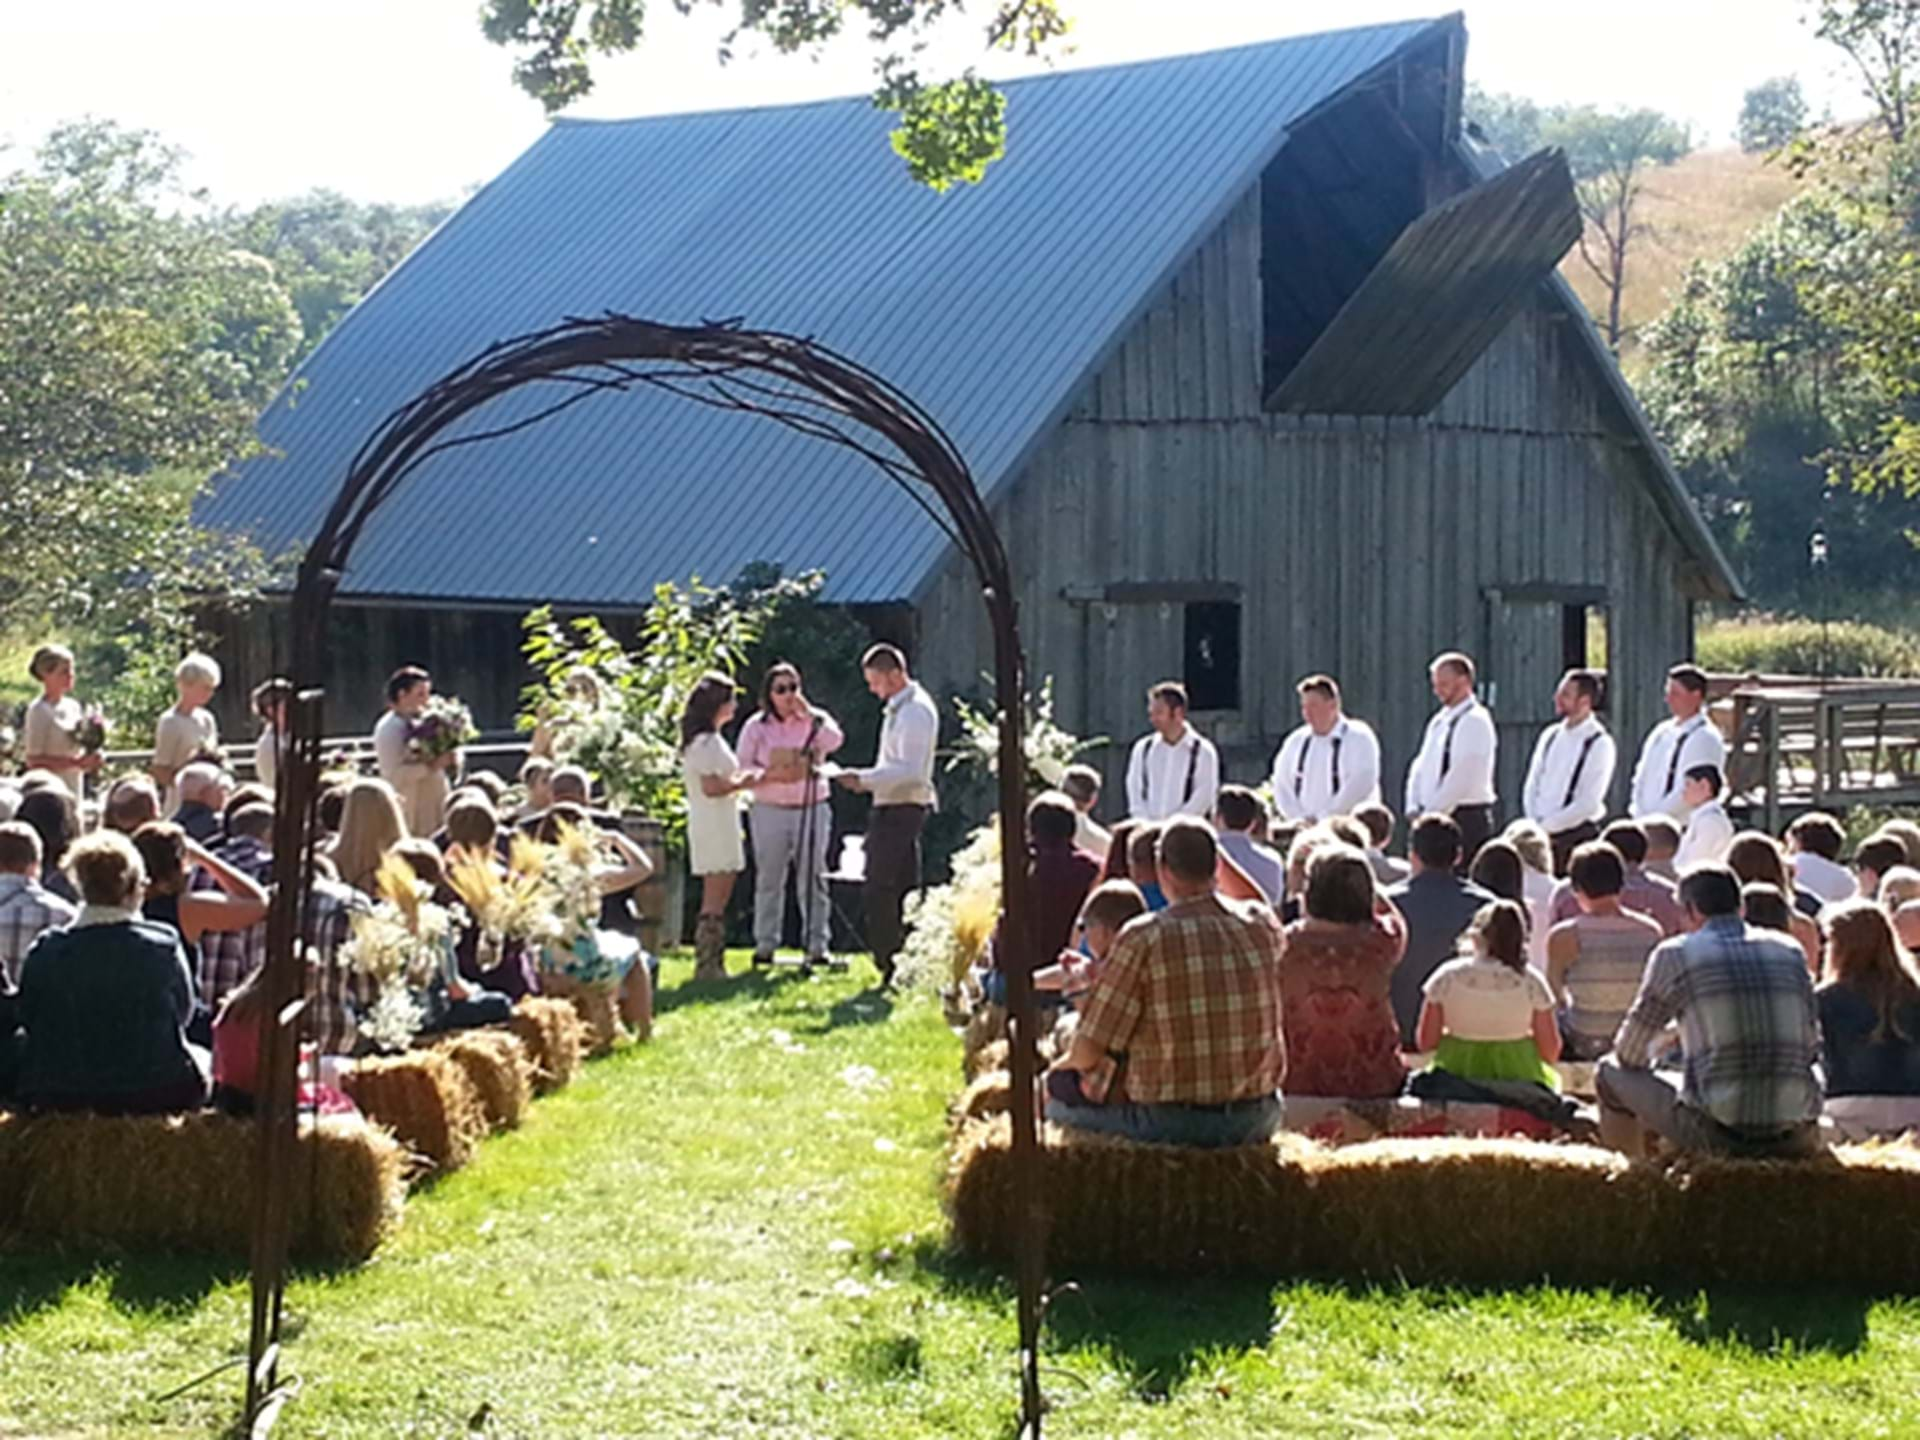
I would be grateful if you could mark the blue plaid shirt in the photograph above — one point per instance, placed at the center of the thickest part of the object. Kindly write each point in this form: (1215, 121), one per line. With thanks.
(26, 913)
(1748, 1024)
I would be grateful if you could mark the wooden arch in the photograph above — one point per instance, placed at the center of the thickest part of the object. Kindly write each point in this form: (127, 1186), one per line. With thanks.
(777, 377)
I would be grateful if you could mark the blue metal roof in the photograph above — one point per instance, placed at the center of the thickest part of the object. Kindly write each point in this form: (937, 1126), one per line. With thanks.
(989, 305)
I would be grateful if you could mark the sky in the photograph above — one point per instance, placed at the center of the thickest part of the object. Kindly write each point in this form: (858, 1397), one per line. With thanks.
(403, 100)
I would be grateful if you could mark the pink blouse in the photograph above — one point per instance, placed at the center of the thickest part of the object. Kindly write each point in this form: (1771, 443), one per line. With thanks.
(765, 733)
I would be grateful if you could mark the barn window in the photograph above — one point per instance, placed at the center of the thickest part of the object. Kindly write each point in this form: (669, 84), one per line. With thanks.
(1212, 669)
(1583, 642)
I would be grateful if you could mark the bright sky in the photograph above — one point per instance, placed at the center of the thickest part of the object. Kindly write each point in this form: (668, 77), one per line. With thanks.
(403, 100)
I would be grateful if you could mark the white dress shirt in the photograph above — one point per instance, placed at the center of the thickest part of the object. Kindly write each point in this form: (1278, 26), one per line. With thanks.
(1708, 836)
(1315, 776)
(1455, 763)
(1672, 748)
(1830, 881)
(902, 773)
(1567, 778)
(1164, 780)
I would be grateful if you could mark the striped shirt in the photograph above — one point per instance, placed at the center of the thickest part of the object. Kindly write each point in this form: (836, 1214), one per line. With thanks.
(1747, 1019)
(26, 913)
(228, 957)
(1191, 996)
(1610, 958)
(335, 995)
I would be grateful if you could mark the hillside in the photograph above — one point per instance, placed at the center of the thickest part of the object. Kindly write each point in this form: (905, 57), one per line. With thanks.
(1698, 209)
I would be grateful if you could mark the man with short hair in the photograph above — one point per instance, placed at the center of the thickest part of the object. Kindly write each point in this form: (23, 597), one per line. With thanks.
(1595, 960)
(1674, 746)
(132, 801)
(1189, 999)
(1378, 822)
(1641, 891)
(901, 783)
(1745, 1007)
(1059, 878)
(188, 731)
(203, 790)
(1663, 843)
(1709, 832)
(26, 910)
(1330, 765)
(1814, 843)
(1437, 905)
(228, 957)
(1452, 774)
(1236, 817)
(1565, 792)
(1081, 785)
(1873, 858)
(422, 785)
(1173, 769)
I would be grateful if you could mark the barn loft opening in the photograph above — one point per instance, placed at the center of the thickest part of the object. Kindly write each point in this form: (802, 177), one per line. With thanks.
(1211, 669)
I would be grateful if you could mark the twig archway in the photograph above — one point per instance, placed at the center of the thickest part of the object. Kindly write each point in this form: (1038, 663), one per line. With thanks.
(778, 377)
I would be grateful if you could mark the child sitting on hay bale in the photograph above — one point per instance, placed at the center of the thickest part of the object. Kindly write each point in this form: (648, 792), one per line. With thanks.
(236, 1058)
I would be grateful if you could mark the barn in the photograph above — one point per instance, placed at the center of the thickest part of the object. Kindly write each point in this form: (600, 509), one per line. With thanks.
(1262, 362)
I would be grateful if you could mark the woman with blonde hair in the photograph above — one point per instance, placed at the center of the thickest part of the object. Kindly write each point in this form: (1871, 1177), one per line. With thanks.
(1757, 859)
(1869, 1005)
(1530, 842)
(371, 824)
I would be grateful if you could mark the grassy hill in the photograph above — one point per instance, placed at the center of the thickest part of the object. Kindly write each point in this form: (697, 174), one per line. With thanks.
(1698, 209)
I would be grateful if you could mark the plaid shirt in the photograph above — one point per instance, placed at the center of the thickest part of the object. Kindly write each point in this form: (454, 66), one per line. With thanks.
(26, 913)
(1191, 996)
(1748, 1024)
(228, 957)
(335, 995)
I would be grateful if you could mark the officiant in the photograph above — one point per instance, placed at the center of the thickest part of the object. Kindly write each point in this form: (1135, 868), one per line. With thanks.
(791, 823)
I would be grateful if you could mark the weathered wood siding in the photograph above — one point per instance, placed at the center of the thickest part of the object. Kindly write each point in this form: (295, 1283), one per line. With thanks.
(1361, 546)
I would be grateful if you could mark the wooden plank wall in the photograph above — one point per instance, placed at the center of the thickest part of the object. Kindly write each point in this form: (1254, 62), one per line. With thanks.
(1362, 546)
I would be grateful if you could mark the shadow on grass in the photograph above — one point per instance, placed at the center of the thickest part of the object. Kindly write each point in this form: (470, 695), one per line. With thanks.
(1769, 1323)
(151, 1285)
(754, 985)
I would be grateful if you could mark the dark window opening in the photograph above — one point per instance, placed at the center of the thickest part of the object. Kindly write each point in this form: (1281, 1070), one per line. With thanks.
(1583, 642)
(1212, 669)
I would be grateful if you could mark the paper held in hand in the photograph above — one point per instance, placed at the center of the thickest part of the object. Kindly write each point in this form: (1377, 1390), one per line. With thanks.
(788, 763)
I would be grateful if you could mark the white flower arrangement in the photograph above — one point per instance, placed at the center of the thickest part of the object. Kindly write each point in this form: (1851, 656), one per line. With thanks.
(948, 926)
(1049, 748)
(400, 943)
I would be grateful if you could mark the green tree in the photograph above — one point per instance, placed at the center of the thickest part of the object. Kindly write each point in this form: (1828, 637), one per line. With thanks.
(1773, 112)
(1882, 39)
(950, 129)
(1512, 124)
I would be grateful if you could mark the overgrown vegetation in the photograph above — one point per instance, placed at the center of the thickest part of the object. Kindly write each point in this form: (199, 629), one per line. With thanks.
(1771, 645)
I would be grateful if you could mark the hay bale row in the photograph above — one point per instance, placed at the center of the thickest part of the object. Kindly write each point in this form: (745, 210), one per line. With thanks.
(554, 1037)
(497, 1064)
(597, 1007)
(185, 1183)
(426, 1099)
(1453, 1211)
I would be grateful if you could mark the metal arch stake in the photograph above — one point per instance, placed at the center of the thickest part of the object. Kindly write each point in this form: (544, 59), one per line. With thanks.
(783, 378)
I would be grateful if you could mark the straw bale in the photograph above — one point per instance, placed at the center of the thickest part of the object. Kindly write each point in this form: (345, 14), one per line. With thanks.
(993, 1055)
(598, 1008)
(553, 1034)
(497, 1064)
(426, 1099)
(987, 1095)
(185, 1183)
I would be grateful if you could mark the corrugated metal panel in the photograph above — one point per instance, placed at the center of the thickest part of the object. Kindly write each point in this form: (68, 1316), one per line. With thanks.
(990, 305)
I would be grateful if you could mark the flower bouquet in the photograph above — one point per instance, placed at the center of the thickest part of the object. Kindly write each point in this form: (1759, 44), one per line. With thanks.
(91, 733)
(401, 945)
(517, 907)
(440, 729)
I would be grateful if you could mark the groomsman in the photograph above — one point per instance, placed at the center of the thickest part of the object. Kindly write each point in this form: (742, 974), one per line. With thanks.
(1174, 770)
(1673, 747)
(1331, 764)
(1572, 766)
(1453, 773)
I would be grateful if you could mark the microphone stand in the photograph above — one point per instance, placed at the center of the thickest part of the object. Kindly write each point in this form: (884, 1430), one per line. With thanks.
(810, 852)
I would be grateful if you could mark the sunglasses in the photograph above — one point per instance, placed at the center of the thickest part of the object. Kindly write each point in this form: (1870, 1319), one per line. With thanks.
(786, 689)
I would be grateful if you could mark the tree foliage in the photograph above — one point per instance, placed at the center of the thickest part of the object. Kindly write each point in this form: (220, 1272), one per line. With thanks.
(1882, 40)
(1773, 113)
(950, 129)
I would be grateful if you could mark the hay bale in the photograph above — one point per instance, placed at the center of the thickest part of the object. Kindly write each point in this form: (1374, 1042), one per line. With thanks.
(554, 1037)
(497, 1064)
(426, 1100)
(991, 1056)
(185, 1183)
(598, 1008)
(988, 1095)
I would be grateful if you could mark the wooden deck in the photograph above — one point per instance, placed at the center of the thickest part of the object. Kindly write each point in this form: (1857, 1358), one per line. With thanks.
(1797, 743)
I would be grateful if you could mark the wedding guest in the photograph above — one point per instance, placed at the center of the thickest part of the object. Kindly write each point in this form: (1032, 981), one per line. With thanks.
(50, 735)
(1173, 769)
(1755, 859)
(1644, 892)
(236, 903)
(1235, 818)
(714, 779)
(333, 804)
(1899, 887)
(132, 801)
(1709, 831)
(105, 1002)
(1059, 879)
(473, 838)
(1081, 785)
(1143, 859)
(1489, 1016)
(901, 783)
(371, 824)
(1907, 832)
(1330, 765)
(1675, 747)
(593, 957)
(203, 790)
(1452, 774)
(229, 956)
(1110, 908)
(1336, 983)
(1663, 843)
(791, 821)
(1571, 769)
(421, 785)
(187, 731)
(1536, 883)
(1872, 858)
(1438, 906)
(236, 1058)
(27, 909)
(1379, 822)
(1595, 960)
(1498, 870)
(337, 994)
(52, 815)
(1814, 844)
(273, 705)
(1765, 907)
(1869, 1006)
(449, 1001)
(1119, 853)
(536, 783)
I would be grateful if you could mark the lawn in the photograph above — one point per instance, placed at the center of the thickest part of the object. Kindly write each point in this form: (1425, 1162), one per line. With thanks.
(735, 1231)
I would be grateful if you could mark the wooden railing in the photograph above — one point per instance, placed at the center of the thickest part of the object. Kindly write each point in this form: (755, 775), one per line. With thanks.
(498, 750)
(1808, 745)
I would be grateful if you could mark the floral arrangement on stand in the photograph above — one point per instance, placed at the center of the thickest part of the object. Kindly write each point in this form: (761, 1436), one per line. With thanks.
(402, 944)
(948, 926)
(1049, 748)
(511, 907)
(442, 728)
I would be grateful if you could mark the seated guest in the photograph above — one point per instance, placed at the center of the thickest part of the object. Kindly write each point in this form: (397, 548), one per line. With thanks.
(27, 909)
(536, 783)
(105, 1002)
(449, 1001)
(236, 902)
(1059, 878)
(1755, 859)
(1143, 862)
(1536, 885)
(1437, 905)
(1814, 843)
(1907, 832)
(1116, 867)
(1745, 1008)
(1765, 907)
(622, 866)
(1489, 1015)
(1498, 870)
(1869, 1005)
(1709, 831)
(1378, 821)
(474, 838)
(9, 800)
(1899, 886)
(203, 796)
(371, 824)
(1236, 814)
(337, 995)
(1190, 998)
(1108, 910)
(1596, 959)
(131, 802)
(333, 805)
(488, 784)
(1336, 983)
(51, 813)
(1643, 892)
(1081, 785)
(229, 956)
(1663, 843)
(1873, 858)
(1906, 924)
(236, 1058)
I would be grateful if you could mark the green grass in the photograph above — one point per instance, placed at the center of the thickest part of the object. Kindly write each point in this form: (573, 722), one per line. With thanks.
(735, 1231)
